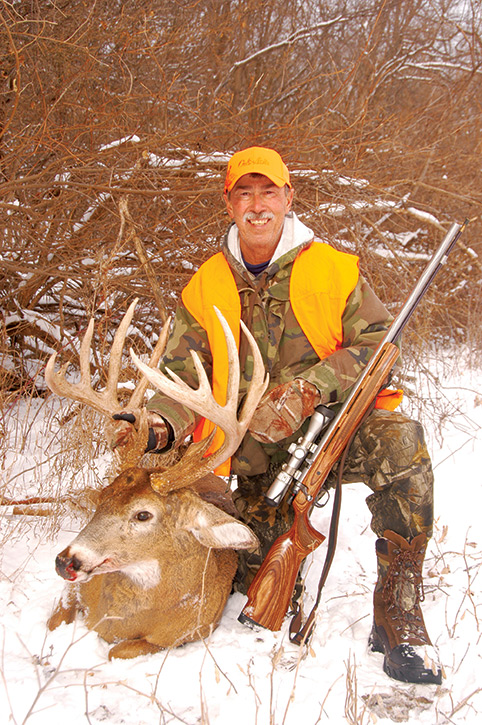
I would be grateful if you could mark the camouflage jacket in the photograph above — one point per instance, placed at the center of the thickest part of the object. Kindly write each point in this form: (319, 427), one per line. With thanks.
(287, 353)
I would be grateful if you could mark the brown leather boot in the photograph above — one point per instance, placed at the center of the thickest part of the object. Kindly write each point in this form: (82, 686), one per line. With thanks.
(398, 628)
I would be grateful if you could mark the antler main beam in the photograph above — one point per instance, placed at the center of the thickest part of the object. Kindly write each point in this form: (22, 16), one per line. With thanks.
(202, 401)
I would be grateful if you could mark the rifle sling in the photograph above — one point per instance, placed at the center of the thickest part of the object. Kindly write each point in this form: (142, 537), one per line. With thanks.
(300, 633)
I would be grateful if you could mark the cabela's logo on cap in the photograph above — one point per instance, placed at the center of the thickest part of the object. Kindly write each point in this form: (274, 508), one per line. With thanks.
(259, 161)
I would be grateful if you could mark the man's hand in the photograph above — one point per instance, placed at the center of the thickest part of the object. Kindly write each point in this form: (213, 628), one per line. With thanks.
(125, 423)
(282, 411)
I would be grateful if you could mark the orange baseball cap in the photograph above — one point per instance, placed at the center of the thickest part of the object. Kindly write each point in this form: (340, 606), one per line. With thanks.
(257, 160)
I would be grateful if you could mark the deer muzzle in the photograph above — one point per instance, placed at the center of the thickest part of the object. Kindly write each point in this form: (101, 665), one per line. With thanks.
(68, 567)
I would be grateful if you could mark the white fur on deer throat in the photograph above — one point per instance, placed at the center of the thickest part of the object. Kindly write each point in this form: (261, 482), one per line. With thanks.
(145, 574)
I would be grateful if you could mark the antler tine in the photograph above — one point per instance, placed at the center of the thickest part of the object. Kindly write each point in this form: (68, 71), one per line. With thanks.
(259, 380)
(232, 387)
(115, 357)
(84, 354)
(138, 395)
(56, 380)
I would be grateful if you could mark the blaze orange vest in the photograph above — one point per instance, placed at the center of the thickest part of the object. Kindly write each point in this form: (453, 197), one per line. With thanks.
(321, 281)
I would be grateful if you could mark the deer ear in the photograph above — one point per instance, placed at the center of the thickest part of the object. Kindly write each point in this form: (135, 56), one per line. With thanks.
(217, 530)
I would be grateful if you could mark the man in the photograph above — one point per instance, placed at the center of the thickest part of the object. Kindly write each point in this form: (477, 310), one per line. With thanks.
(316, 322)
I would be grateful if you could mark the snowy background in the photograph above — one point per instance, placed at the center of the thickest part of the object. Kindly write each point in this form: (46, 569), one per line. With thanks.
(238, 675)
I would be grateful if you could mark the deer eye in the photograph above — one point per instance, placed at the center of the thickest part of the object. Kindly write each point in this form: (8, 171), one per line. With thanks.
(143, 516)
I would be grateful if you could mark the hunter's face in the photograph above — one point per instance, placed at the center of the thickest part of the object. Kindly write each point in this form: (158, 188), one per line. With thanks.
(258, 207)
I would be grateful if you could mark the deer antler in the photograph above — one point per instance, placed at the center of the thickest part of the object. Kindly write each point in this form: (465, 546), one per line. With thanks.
(106, 401)
(202, 401)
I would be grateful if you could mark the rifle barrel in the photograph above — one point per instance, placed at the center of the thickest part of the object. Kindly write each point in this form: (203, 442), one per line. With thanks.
(425, 280)
(395, 329)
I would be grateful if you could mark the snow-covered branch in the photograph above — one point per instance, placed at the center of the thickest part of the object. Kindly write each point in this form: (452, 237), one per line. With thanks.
(290, 40)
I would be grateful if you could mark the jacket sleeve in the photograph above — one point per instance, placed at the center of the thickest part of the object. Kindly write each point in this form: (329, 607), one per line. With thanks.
(365, 322)
(186, 335)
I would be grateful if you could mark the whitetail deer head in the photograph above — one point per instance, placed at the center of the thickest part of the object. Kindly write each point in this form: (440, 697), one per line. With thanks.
(154, 566)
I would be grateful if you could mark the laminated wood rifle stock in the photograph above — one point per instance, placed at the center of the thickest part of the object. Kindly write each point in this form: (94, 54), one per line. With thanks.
(270, 592)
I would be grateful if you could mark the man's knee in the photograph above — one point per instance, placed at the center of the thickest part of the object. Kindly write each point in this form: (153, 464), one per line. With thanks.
(388, 446)
(393, 436)
(397, 468)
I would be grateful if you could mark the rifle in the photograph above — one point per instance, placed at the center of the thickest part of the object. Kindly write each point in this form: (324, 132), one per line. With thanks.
(270, 592)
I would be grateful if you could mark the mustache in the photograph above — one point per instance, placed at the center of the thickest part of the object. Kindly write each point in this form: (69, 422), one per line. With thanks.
(254, 216)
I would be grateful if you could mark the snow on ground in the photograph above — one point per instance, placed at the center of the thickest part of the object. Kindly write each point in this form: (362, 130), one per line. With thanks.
(244, 677)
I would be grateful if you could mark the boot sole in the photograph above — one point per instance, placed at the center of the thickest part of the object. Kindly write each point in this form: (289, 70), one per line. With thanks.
(403, 664)
(413, 671)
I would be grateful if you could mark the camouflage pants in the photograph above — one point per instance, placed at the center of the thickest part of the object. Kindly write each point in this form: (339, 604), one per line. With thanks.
(388, 454)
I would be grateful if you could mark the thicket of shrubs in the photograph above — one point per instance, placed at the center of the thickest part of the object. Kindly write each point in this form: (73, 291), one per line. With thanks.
(118, 117)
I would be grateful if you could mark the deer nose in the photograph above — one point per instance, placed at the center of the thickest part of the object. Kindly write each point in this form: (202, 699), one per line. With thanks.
(67, 566)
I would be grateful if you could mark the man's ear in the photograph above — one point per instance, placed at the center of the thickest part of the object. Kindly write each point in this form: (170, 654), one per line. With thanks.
(289, 197)
(229, 206)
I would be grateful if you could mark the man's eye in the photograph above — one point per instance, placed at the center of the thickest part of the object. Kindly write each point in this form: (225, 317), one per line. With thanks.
(143, 516)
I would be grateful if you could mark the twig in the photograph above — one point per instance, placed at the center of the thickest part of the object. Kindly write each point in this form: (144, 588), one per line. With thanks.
(463, 702)
(231, 683)
(141, 253)
(202, 700)
(86, 698)
(52, 677)
(2, 675)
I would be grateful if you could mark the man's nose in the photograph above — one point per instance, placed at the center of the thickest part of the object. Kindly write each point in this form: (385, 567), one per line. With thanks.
(257, 203)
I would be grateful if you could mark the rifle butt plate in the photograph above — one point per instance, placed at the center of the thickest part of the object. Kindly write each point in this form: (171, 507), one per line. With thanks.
(244, 619)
